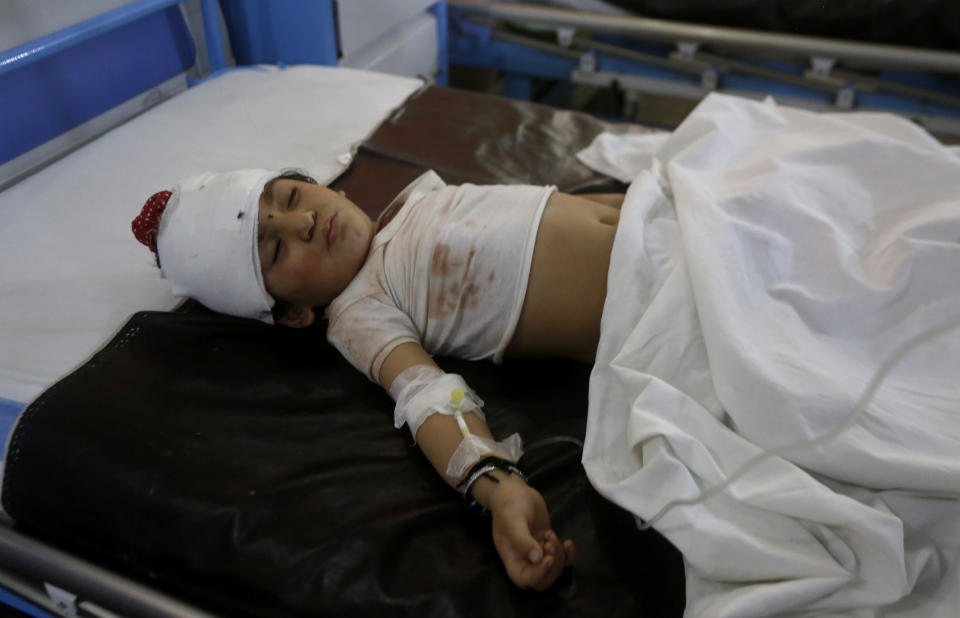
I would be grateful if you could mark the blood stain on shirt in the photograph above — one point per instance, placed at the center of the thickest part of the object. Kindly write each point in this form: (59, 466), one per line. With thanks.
(452, 291)
(471, 296)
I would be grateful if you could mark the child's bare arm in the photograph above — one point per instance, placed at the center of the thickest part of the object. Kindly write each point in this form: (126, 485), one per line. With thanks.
(531, 552)
(439, 435)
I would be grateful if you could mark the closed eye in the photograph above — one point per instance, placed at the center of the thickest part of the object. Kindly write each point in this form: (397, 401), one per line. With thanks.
(276, 252)
(293, 194)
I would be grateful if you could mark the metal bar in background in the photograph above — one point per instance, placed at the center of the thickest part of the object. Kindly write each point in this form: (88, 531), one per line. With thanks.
(865, 82)
(691, 67)
(38, 49)
(439, 10)
(819, 84)
(518, 39)
(881, 56)
(696, 66)
(211, 31)
(34, 559)
(25, 598)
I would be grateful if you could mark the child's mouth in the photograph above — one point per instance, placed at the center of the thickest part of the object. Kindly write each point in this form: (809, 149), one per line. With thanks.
(333, 229)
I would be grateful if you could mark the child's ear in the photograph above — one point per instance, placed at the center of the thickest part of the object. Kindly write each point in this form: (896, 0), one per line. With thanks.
(297, 317)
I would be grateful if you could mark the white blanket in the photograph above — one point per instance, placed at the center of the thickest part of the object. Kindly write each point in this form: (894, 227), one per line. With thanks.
(768, 261)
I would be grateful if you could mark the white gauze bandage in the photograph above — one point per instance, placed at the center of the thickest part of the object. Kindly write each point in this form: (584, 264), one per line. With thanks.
(423, 390)
(207, 243)
(472, 448)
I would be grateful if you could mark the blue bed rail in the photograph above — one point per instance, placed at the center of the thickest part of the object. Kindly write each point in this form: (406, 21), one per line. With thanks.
(38, 49)
(9, 411)
(282, 31)
(59, 82)
(22, 606)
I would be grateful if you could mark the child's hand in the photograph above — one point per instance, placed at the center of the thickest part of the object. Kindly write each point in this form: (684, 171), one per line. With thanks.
(531, 552)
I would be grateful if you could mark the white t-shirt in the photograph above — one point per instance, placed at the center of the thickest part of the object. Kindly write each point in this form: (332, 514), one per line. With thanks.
(449, 272)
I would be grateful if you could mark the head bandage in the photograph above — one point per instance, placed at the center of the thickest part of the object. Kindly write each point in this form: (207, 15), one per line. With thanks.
(206, 242)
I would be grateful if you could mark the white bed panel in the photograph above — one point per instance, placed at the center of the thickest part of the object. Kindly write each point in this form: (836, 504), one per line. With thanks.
(363, 21)
(409, 49)
(72, 271)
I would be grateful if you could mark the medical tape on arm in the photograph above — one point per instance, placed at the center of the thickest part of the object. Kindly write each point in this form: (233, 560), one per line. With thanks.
(423, 390)
(473, 448)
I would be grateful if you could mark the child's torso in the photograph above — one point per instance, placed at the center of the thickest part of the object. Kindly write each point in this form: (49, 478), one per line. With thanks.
(568, 280)
(450, 272)
(459, 264)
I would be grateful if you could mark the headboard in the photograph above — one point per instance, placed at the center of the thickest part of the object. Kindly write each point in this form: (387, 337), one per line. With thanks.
(62, 90)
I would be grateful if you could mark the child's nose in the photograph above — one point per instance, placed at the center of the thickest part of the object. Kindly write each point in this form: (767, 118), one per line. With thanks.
(299, 224)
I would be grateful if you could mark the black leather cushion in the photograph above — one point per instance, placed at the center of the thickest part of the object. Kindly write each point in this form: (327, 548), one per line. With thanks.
(478, 138)
(251, 470)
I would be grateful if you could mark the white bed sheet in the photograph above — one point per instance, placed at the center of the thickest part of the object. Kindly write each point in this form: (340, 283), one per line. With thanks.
(71, 270)
(766, 262)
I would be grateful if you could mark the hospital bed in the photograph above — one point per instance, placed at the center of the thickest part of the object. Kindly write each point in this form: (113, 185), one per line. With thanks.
(686, 50)
(155, 471)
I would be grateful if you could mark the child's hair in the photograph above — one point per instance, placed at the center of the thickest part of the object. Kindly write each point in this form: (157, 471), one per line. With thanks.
(295, 175)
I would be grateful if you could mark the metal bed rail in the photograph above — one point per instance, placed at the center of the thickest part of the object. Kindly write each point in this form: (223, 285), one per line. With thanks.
(104, 89)
(28, 567)
(38, 49)
(34, 576)
(870, 54)
(637, 56)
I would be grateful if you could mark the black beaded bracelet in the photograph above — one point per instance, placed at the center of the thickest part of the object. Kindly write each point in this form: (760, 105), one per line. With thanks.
(483, 468)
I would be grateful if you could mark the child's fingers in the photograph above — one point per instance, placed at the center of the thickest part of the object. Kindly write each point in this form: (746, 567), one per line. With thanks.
(559, 548)
(546, 573)
(526, 575)
(536, 576)
(518, 534)
(543, 575)
(555, 556)
(549, 547)
(565, 550)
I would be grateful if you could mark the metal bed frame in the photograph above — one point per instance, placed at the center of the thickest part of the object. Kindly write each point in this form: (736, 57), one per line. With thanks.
(641, 55)
(36, 578)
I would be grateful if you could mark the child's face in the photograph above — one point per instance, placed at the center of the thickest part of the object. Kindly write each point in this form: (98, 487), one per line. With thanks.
(312, 241)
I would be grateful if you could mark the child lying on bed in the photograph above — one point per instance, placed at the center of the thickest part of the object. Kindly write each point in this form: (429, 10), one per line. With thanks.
(472, 271)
